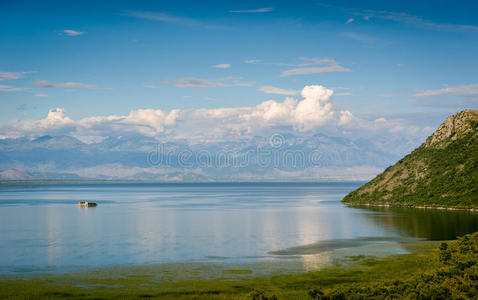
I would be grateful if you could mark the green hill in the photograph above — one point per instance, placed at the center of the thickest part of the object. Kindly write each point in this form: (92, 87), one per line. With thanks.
(442, 172)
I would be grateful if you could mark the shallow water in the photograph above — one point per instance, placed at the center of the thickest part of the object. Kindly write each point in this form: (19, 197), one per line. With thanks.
(43, 229)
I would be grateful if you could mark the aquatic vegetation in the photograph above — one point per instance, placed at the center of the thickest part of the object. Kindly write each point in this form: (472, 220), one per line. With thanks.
(208, 281)
(454, 277)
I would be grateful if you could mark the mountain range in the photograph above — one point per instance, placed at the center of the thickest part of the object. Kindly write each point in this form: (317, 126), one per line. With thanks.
(277, 157)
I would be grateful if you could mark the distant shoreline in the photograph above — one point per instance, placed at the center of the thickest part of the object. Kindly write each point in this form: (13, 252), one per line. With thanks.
(409, 206)
(53, 181)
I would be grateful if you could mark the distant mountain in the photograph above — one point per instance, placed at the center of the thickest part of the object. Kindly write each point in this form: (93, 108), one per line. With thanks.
(442, 172)
(278, 157)
(14, 175)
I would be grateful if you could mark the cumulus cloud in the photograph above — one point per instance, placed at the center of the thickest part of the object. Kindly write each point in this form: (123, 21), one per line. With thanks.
(76, 85)
(9, 88)
(461, 90)
(275, 90)
(313, 110)
(192, 82)
(72, 32)
(222, 66)
(147, 122)
(257, 10)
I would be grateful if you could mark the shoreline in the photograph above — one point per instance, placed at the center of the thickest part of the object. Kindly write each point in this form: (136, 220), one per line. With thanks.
(409, 206)
(217, 281)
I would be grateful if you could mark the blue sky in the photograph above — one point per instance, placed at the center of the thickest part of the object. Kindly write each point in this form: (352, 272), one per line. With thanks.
(382, 59)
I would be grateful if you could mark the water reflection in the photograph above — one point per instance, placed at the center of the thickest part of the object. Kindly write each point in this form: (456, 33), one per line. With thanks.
(43, 228)
(431, 224)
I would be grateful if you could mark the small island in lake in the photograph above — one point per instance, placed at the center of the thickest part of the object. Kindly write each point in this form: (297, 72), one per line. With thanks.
(87, 204)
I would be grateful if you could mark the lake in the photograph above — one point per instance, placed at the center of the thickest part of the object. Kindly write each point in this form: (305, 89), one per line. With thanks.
(43, 230)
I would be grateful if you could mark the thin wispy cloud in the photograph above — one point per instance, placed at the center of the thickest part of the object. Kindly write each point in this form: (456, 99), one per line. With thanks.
(257, 10)
(9, 88)
(350, 21)
(12, 75)
(192, 82)
(403, 17)
(251, 61)
(343, 94)
(461, 90)
(222, 66)
(68, 85)
(167, 18)
(414, 20)
(304, 61)
(358, 37)
(150, 86)
(41, 95)
(72, 32)
(314, 70)
(315, 66)
(278, 91)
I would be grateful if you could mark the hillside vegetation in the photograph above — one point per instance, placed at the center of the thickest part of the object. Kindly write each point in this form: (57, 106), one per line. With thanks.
(442, 172)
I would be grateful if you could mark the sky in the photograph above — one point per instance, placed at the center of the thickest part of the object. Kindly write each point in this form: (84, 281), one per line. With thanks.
(219, 69)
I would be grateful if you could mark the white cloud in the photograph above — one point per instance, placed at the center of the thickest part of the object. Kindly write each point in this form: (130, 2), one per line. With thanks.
(222, 66)
(76, 85)
(314, 70)
(148, 122)
(257, 10)
(275, 90)
(251, 61)
(41, 95)
(9, 88)
(10, 75)
(305, 114)
(166, 18)
(358, 37)
(346, 117)
(461, 90)
(72, 32)
(350, 21)
(343, 94)
(314, 112)
(307, 66)
(150, 86)
(191, 82)
(414, 20)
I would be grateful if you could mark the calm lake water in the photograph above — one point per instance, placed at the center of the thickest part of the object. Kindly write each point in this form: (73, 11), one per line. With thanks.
(43, 229)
